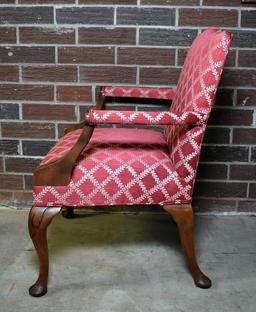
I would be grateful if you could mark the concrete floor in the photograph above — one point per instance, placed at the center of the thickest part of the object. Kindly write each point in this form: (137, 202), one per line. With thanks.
(129, 263)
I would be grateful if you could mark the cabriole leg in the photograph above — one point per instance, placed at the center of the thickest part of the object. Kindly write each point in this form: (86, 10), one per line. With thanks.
(184, 217)
(38, 221)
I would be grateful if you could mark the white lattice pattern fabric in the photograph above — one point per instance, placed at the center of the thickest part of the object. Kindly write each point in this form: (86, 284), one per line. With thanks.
(120, 167)
(195, 91)
(144, 118)
(139, 92)
(62, 147)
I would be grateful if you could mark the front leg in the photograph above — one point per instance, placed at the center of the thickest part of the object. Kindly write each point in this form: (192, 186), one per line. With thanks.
(39, 219)
(184, 217)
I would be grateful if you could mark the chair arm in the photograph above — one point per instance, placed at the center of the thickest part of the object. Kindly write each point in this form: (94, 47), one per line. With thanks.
(95, 117)
(139, 92)
(59, 171)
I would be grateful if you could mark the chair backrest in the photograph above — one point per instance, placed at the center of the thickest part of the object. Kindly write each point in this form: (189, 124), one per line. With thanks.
(195, 91)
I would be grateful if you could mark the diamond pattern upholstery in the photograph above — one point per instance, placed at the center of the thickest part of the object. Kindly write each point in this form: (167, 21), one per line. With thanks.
(195, 91)
(132, 166)
(61, 147)
(144, 118)
(128, 166)
(139, 92)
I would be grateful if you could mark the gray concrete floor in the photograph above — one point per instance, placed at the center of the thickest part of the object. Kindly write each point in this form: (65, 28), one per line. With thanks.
(129, 263)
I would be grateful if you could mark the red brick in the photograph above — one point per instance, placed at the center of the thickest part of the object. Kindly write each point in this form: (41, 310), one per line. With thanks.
(7, 35)
(9, 73)
(5, 195)
(248, 19)
(1, 164)
(239, 77)
(224, 97)
(170, 2)
(246, 206)
(231, 117)
(237, 3)
(89, 15)
(36, 148)
(47, 1)
(29, 92)
(224, 153)
(252, 190)
(28, 130)
(107, 36)
(164, 76)
(86, 55)
(26, 15)
(9, 147)
(48, 35)
(9, 111)
(74, 93)
(246, 58)
(146, 56)
(48, 112)
(212, 171)
(22, 54)
(7, 1)
(11, 182)
(145, 16)
(50, 73)
(213, 204)
(243, 38)
(122, 2)
(23, 196)
(242, 172)
(208, 17)
(28, 182)
(246, 97)
(166, 37)
(220, 189)
(216, 135)
(108, 74)
(17, 164)
(244, 136)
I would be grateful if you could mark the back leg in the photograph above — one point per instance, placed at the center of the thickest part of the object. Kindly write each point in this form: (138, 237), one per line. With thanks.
(184, 217)
(68, 213)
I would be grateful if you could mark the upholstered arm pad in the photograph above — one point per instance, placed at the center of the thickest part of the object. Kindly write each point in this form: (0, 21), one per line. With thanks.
(143, 118)
(137, 92)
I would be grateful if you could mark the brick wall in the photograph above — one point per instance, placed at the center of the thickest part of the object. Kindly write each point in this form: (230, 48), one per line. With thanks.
(54, 53)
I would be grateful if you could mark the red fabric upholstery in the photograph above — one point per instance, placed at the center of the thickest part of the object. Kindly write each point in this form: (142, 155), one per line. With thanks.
(195, 91)
(119, 167)
(138, 92)
(131, 166)
(61, 147)
(144, 118)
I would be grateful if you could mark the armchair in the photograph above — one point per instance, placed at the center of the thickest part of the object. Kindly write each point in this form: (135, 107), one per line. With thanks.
(92, 166)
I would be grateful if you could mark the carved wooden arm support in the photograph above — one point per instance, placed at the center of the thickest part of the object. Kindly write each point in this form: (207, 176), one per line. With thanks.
(59, 172)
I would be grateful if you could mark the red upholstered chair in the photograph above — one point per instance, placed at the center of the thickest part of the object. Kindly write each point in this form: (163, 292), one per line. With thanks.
(122, 166)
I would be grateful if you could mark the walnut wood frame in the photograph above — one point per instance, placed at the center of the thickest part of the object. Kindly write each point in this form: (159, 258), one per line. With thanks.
(59, 173)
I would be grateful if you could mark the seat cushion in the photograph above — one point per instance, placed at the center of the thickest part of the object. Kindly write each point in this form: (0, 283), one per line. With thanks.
(118, 167)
